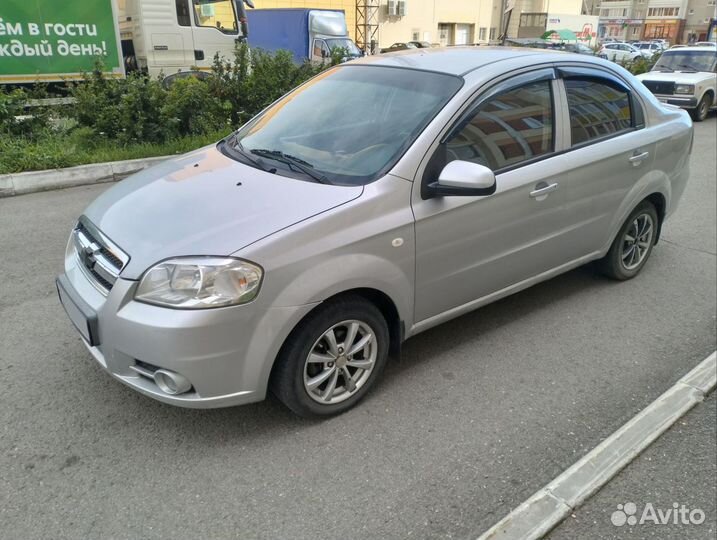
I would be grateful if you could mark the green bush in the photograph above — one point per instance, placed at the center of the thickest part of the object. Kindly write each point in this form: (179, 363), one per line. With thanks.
(190, 108)
(140, 116)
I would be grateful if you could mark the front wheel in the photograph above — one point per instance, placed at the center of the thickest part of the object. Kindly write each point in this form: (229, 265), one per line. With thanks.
(332, 358)
(633, 244)
(703, 108)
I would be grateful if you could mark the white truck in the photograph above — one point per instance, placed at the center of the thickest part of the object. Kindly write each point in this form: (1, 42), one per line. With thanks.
(172, 36)
(59, 41)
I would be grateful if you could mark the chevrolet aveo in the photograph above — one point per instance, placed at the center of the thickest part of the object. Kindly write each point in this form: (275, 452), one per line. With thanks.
(381, 198)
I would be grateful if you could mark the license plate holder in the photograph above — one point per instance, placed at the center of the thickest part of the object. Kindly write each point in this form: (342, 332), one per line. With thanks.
(83, 317)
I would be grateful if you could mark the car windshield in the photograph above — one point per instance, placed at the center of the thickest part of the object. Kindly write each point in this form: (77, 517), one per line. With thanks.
(346, 126)
(683, 60)
(344, 43)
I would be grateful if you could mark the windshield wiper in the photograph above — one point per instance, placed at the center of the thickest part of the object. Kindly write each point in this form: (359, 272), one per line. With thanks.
(692, 68)
(293, 163)
(237, 146)
(664, 69)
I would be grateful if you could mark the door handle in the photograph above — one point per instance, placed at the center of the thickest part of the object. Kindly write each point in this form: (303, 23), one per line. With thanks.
(637, 158)
(544, 190)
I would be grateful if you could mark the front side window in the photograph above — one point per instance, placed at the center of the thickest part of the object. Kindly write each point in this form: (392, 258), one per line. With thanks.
(320, 49)
(507, 129)
(349, 124)
(597, 109)
(217, 14)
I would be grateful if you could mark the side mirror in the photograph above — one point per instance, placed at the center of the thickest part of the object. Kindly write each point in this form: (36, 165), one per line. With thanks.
(464, 178)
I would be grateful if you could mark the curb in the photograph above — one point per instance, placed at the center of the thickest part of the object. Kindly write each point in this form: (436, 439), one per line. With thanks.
(555, 501)
(96, 173)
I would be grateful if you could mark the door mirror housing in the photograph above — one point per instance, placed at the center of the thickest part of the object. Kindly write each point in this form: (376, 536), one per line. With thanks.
(463, 178)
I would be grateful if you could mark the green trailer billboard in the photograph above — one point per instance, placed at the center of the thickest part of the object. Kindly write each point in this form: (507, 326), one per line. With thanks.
(51, 40)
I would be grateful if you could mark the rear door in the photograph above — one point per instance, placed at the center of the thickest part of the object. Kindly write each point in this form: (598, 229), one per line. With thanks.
(610, 153)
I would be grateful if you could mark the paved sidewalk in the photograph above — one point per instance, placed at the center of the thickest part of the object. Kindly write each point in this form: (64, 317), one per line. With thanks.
(680, 467)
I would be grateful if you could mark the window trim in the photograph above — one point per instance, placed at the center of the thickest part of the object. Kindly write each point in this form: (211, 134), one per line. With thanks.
(637, 112)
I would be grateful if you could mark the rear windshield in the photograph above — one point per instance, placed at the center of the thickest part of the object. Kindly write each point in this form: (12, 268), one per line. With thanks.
(349, 124)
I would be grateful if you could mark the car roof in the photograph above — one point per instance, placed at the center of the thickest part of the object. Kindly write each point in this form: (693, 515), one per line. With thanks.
(450, 60)
(700, 48)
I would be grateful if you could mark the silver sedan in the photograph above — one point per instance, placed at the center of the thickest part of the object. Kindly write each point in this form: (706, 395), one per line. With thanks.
(381, 198)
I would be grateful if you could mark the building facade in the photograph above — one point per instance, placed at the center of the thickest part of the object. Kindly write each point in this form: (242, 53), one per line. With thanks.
(454, 22)
(677, 21)
(700, 14)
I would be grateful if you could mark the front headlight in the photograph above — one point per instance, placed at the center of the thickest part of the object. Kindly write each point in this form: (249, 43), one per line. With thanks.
(684, 89)
(200, 283)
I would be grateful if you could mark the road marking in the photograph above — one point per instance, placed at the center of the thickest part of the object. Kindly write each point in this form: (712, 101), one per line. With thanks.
(554, 502)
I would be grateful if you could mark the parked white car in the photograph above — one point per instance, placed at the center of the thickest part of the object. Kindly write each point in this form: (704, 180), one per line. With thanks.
(685, 76)
(622, 53)
(651, 47)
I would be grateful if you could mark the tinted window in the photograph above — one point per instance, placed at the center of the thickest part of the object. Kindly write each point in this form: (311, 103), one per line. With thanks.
(182, 12)
(509, 128)
(597, 109)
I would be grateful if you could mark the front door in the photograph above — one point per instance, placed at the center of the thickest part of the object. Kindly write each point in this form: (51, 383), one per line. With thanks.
(470, 247)
(215, 30)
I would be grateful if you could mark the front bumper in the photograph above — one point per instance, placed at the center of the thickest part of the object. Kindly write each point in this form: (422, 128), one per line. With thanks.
(687, 102)
(226, 353)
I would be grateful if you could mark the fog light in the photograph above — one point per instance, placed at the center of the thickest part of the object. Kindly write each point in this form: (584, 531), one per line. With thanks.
(171, 383)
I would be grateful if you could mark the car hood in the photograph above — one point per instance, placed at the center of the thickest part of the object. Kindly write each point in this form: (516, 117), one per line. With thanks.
(204, 203)
(675, 76)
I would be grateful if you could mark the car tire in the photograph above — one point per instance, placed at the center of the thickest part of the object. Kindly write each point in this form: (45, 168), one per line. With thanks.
(310, 355)
(633, 244)
(703, 108)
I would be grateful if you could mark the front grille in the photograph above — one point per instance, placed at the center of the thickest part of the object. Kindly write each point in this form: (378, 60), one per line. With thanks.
(663, 88)
(101, 260)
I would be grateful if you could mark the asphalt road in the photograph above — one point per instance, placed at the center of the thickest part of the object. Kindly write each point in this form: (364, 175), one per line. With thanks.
(680, 467)
(478, 414)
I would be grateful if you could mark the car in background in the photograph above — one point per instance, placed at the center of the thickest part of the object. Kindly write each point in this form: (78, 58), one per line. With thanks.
(578, 48)
(381, 198)
(686, 77)
(665, 44)
(420, 44)
(622, 53)
(652, 47)
(398, 47)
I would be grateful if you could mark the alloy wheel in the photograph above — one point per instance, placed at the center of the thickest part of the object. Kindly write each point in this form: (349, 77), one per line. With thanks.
(340, 362)
(637, 241)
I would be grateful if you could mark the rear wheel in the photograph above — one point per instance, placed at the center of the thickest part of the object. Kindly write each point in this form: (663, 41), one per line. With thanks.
(332, 358)
(633, 244)
(703, 108)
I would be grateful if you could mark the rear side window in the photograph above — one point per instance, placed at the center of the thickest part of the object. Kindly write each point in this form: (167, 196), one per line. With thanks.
(597, 109)
(182, 12)
(507, 129)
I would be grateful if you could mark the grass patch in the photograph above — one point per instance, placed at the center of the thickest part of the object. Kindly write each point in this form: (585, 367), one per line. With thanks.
(19, 154)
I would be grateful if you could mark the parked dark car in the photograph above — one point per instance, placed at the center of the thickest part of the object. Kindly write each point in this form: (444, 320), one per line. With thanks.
(398, 47)
(420, 44)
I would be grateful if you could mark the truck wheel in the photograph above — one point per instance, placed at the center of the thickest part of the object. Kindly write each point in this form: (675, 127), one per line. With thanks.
(703, 108)
(633, 244)
(332, 358)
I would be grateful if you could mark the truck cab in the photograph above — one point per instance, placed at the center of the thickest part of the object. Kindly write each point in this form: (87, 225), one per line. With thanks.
(170, 36)
(327, 32)
(309, 34)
